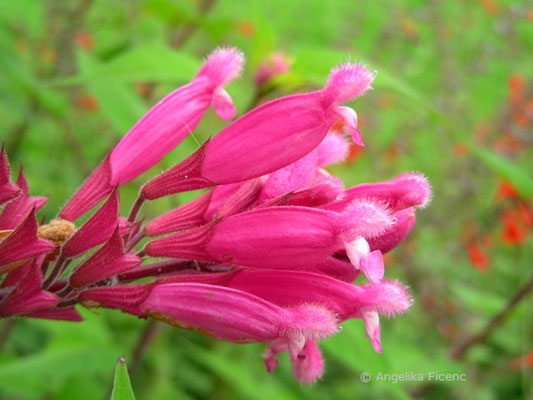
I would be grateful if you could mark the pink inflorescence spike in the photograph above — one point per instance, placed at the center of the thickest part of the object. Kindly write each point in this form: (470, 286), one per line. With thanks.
(269, 253)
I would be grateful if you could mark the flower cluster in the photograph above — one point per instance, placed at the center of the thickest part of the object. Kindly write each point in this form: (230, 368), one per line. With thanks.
(267, 253)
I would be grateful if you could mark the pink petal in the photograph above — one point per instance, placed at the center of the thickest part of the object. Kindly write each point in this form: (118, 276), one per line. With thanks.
(223, 105)
(333, 149)
(238, 316)
(244, 197)
(348, 81)
(277, 237)
(349, 116)
(295, 176)
(373, 267)
(405, 221)
(364, 218)
(308, 366)
(373, 330)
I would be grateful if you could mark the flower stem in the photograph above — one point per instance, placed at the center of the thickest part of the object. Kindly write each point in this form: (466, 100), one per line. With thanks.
(61, 262)
(158, 268)
(6, 330)
(134, 240)
(460, 350)
(135, 209)
(148, 335)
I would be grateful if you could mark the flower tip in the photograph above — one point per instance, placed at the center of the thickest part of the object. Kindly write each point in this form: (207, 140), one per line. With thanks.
(373, 266)
(348, 81)
(390, 297)
(419, 188)
(365, 217)
(271, 363)
(223, 65)
(308, 367)
(376, 345)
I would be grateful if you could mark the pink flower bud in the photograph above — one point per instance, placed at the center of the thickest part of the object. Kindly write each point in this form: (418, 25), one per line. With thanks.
(276, 64)
(279, 237)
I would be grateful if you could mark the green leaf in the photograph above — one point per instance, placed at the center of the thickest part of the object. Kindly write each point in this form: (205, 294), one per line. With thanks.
(118, 101)
(47, 371)
(506, 169)
(263, 43)
(144, 63)
(122, 389)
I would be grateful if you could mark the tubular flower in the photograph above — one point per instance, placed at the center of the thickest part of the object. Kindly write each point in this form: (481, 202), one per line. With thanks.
(268, 254)
(161, 129)
(276, 236)
(269, 137)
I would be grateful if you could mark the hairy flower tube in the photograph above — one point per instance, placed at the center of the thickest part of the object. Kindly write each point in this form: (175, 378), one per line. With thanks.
(276, 250)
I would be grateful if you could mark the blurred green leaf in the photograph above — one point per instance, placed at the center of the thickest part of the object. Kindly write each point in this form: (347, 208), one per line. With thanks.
(263, 42)
(46, 371)
(122, 389)
(239, 376)
(117, 100)
(506, 169)
(143, 63)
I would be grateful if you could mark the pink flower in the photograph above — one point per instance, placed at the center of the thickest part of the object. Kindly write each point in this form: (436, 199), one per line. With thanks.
(268, 254)
(276, 64)
(241, 317)
(406, 190)
(161, 129)
(269, 137)
(278, 237)
(289, 288)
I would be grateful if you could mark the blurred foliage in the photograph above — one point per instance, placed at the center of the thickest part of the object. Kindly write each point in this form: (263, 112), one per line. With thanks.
(453, 99)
